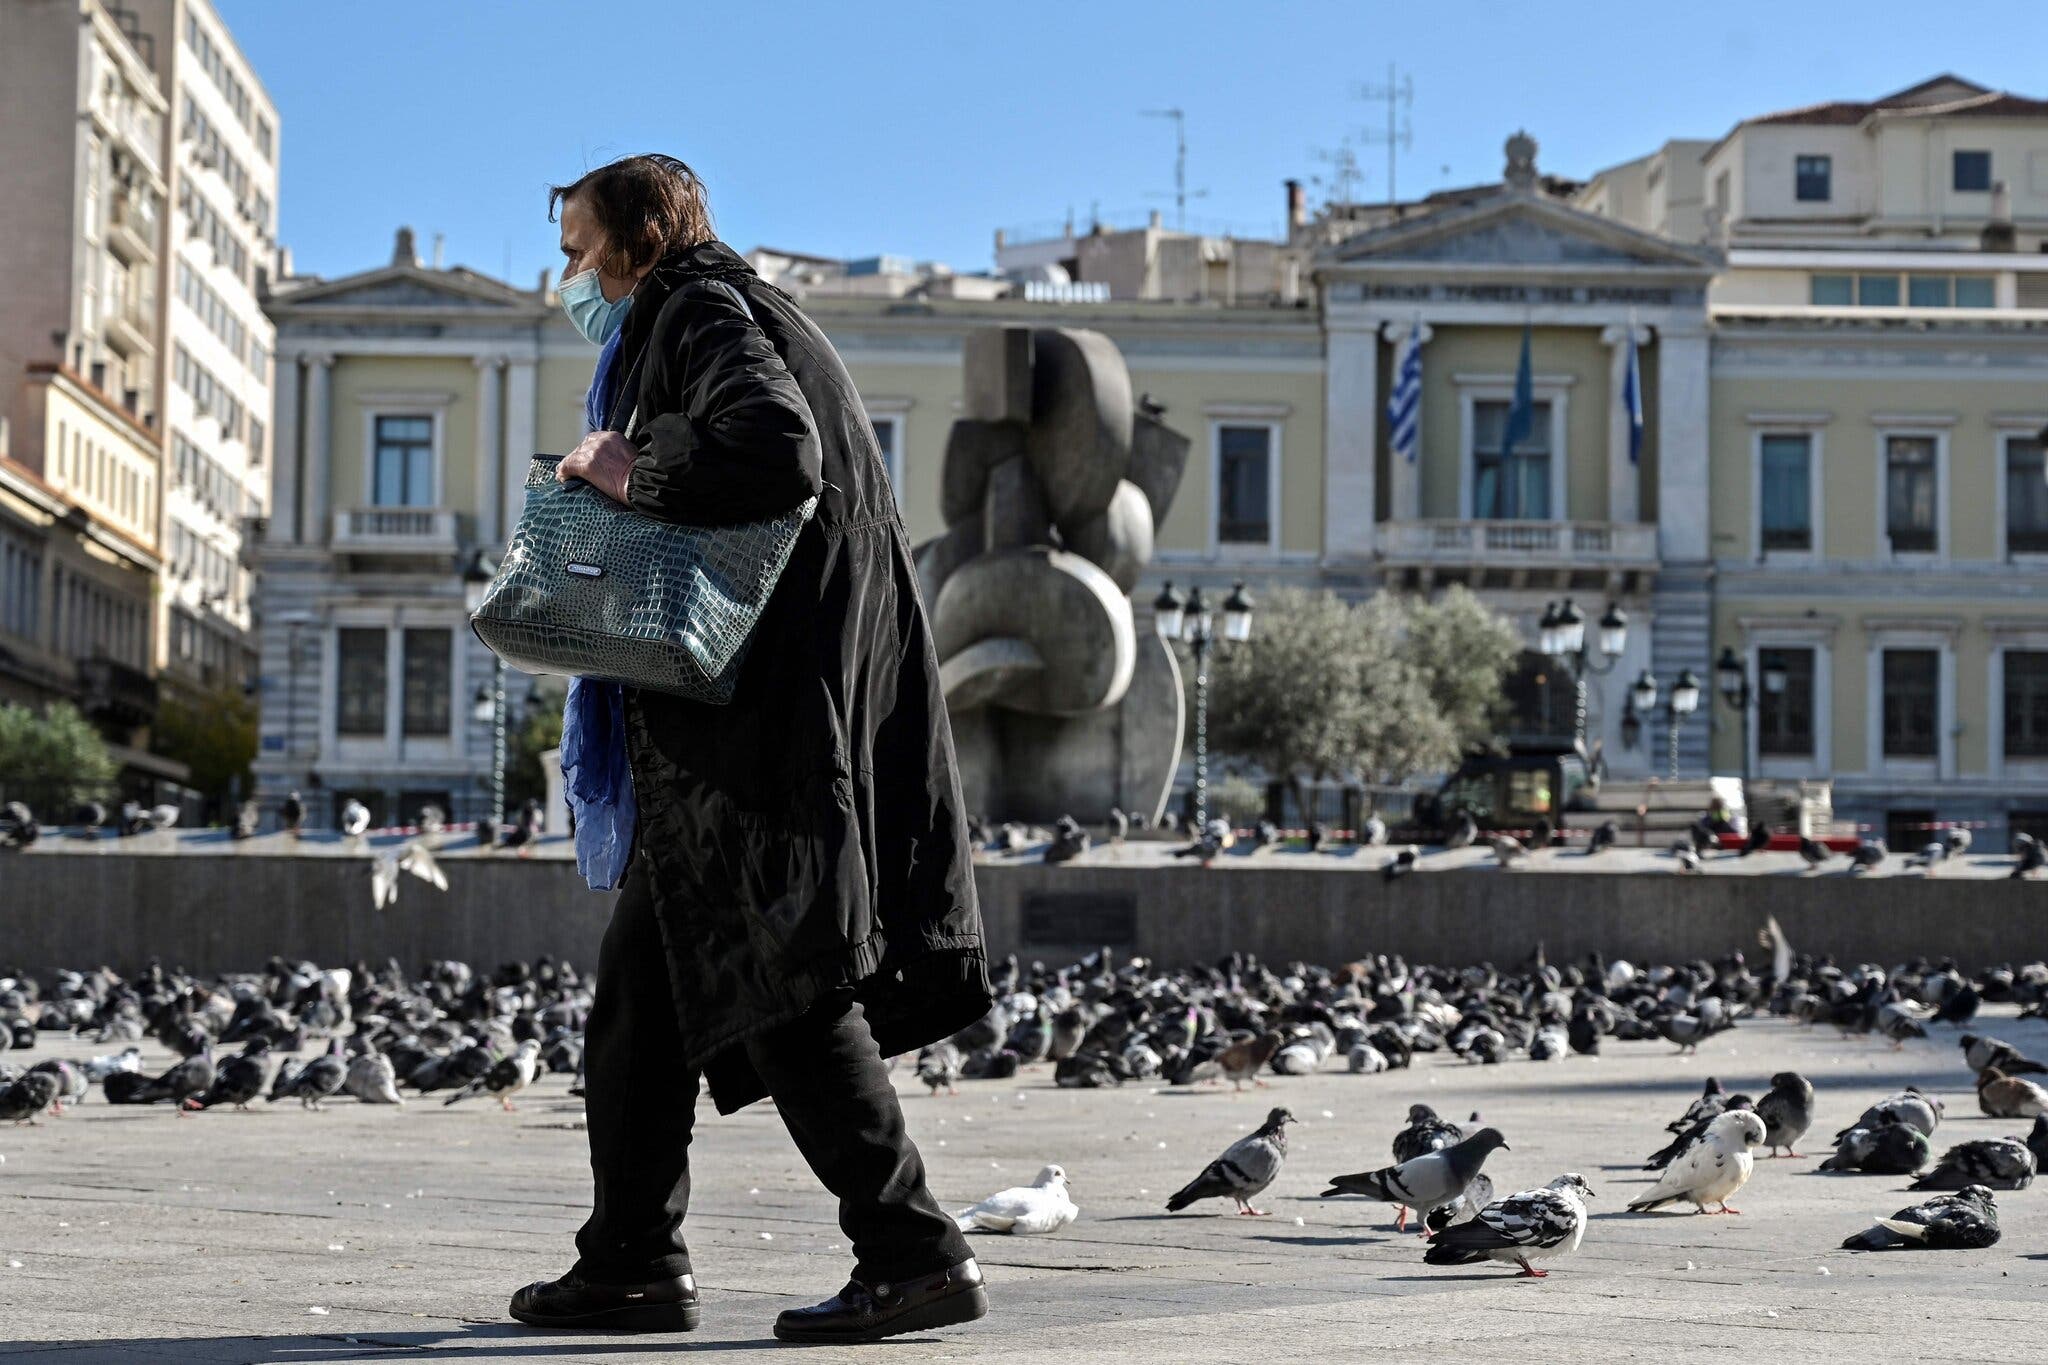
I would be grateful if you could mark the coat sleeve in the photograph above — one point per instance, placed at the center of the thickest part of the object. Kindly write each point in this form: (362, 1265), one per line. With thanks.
(731, 438)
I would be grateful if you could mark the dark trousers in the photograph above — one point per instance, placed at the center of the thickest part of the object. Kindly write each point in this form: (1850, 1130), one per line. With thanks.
(828, 1083)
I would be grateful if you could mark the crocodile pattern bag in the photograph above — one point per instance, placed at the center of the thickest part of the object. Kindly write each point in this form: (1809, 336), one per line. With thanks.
(592, 589)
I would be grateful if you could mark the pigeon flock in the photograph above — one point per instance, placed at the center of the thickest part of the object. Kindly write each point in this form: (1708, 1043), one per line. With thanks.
(381, 1036)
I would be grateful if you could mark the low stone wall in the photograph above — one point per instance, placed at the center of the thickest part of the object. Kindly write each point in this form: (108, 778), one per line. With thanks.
(210, 912)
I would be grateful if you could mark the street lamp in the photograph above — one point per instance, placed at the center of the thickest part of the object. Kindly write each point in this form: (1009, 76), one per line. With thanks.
(1561, 634)
(1732, 681)
(1192, 621)
(489, 703)
(1685, 699)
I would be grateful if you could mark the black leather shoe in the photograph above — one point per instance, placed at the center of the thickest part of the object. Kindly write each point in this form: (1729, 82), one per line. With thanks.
(869, 1312)
(663, 1306)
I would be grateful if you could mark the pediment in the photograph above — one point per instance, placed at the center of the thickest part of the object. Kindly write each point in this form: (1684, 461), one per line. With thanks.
(1518, 230)
(406, 287)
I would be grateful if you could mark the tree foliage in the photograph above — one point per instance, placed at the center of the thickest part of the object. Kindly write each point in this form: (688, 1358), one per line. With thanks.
(212, 732)
(1382, 689)
(539, 730)
(53, 756)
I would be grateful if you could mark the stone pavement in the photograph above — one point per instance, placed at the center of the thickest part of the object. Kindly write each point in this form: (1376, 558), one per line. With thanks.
(370, 1234)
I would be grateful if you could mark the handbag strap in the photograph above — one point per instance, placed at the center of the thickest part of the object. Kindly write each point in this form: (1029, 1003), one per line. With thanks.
(633, 375)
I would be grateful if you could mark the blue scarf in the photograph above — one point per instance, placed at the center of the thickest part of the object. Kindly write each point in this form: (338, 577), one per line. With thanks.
(596, 776)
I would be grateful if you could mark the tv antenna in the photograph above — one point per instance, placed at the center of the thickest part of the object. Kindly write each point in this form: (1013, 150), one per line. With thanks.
(1397, 92)
(1181, 193)
(1345, 174)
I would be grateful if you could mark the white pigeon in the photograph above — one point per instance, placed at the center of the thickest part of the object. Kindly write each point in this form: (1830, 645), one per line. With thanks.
(1024, 1210)
(355, 818)
(372, 1080)
(414, 857)
(1711, 1169)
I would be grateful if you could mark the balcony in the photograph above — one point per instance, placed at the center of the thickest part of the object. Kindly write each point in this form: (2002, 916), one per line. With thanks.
(115, 692)
(132, 226)
(397, 531)
(1519, 554)
(130, 331)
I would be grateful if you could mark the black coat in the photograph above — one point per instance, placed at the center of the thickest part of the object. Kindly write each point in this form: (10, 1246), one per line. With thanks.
(809, 835)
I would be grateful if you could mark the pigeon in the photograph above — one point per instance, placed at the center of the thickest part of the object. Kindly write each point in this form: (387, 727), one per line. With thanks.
(1685, 1140)
(1712, 1169)
(1868, 856)
(1401, 864)
(355, 818)
(1243, 1060)
(292, 814)
(2000, 1163)
(1318, 834)
(1713, 1099)
(1813, 851)
(372, 1080)
(1787, 1112)
(2010, 1097)
(1024, 1210)
(1244, 1170)
(2037, 1141)
(1882, 1149)
(1909, 1106)
(29, 1096)
(1426, 1182)
(2029, 856)
(414, 857)
(1685, 857)
(1531, 1225)
(1896, 1022)
(1373, 832)
(1119, 824)
(1964, 1221)
(313, 1082)
(1688, 1031)
(1425, 1133)
(1958, 840)
(1982, 1054)
(506, 1078)
(18, 827)
(1961, 1007)
(1463, 1209)
(1464, 829)
(939, 1066)
(240, 1078)
(72, 1082)
(1507, 849)
(1605, 836)
(248, 821)
(1759, 839)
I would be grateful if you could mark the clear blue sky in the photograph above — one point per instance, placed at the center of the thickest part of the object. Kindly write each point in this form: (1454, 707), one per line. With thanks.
(850, 128)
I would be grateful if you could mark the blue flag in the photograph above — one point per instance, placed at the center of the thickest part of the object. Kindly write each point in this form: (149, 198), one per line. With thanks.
(1632, 400)
(1521, 412)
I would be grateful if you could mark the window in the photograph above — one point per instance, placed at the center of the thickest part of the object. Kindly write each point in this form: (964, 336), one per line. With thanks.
(21, 586)
(1972, 173)
(1244, 470)
(1785, 491)
(1784, 719)
(2026, 703)
(889, 436)
(1810, 177)
(1877, 291)
(1929, 291)
(1908, 829)
(1832, 290)
(1974, 291)
(403, 462)
(427, 656)
(1912, 692)
(2026, 497)
(1909, 481)
(360, 681)
(1515, 488)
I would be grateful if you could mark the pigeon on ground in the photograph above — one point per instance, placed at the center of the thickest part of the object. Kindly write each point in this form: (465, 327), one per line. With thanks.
(1868, 856)
(315, 1081)
(1425, 1183)
(1401, 864)
(355, 818)
(1813, 851)
(939, 1067)
(292, 814)
(1896, 1022)
(1759, 839)
(1712, 1169)
(1787, 1112)
(1464, 829)
(1964, 1221)
(1244, 1170)
(28, 1096)
(1961, 1007)
(1605, 836)
(1507, 849)
(506, 1078)
(2010, 1097)
(1373, 832)
(1024, 1210)
(2000, 1163)
(2029, 856)
(1463, 1209)
(2037, 1140)
(181, 1085)
(1686, 1140)
(1884, 1149)
(1532, 1225)
(1713, 1099)
(1688, 1031)
(72, 1083)
(1982, 1054)
(1425, 1133)
(1909, 1106)
(372, 1080)
(1685, 857)
(1243, 1060)
(18, 827)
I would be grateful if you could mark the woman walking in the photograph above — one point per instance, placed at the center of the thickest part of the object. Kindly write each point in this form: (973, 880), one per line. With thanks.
(799, 900)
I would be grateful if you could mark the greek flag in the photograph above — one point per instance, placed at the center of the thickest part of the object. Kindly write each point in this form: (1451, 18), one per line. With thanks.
(1632, 400)
(1404, 404)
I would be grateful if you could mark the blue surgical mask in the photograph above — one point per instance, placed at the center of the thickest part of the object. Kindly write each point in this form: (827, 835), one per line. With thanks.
(589, 311)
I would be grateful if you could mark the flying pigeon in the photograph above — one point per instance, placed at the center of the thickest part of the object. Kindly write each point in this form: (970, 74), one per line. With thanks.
(1024, 1210)
(414, 857)
(2000, 1163)
(1712, 1169)
(1787, 1112)
(1964, 1221)
(1532, 1225)
(1426, 1182)
(1244, 1170)
(2010, 1097)
(506, 1078)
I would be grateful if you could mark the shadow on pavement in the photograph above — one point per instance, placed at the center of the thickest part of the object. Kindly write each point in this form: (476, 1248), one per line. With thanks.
(500, 1340)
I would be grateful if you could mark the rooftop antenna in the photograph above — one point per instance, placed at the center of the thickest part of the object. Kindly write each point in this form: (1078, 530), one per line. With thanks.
(1181, 193)
(1345, 173)
(1398, 93)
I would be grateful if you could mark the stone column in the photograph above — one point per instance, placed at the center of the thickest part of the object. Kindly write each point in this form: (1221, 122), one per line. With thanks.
(1624, 476)
(1404, 480)
(1682, 534)
(519, 438)
(1350, 439)
(319, 445)
(284, 454)
(490, 441)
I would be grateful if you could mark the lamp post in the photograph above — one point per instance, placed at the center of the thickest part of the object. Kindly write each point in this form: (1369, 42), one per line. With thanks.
(1732, 680)
(1192, 621)
(1685, 699)
(1561, 634)
(489, 702)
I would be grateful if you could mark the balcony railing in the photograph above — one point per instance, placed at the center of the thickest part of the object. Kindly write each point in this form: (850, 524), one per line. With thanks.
(397, 530)
(1546, 544)
(132, 225)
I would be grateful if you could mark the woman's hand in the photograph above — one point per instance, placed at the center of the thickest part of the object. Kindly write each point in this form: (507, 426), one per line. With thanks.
(603, 459)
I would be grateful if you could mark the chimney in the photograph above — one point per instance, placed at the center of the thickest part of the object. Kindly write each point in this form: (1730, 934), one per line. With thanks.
(542, 287)
(1001, 239)
(403, 252)
(1157, 221)
(1297, 206)
(440, 240)
(1998, 233)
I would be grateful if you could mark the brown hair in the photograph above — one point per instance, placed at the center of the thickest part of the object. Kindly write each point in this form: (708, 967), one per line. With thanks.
(647, 206)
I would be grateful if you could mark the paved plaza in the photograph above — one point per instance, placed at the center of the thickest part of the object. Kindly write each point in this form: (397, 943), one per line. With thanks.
(363, 1233)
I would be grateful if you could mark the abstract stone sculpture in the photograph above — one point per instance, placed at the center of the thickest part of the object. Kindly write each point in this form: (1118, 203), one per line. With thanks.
(1053, 487)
